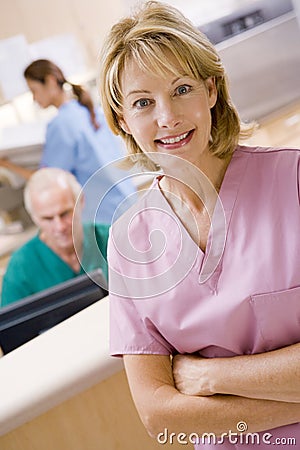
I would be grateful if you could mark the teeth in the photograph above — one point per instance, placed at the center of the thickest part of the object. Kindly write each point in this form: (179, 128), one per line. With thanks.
(174, 140)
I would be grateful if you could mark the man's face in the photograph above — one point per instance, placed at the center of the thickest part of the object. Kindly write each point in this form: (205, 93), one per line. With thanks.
(53, 214)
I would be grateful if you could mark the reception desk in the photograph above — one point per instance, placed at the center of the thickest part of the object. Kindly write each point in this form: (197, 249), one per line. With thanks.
(63, 391)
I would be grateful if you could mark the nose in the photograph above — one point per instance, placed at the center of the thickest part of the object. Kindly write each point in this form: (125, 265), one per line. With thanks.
(59, 223)
(168, 114)
(35, 98)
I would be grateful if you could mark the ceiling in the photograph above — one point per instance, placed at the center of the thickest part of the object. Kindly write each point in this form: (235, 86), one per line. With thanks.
(200, 11)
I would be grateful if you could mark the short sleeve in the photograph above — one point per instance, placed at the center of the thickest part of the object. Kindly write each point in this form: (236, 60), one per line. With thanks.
(60, 146)
(131, 331)
(298, 176)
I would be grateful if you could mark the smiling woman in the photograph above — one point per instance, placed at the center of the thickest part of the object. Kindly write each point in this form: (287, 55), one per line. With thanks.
(165, 114)
(163, 57)
(204, 264)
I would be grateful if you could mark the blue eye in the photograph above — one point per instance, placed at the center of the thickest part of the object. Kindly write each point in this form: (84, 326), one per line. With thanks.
(184, 89)
(142, 103)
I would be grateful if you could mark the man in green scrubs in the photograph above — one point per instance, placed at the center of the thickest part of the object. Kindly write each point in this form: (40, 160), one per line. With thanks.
(64, 247)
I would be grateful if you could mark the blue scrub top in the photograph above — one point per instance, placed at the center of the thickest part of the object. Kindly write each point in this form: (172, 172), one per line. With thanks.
(73, 144)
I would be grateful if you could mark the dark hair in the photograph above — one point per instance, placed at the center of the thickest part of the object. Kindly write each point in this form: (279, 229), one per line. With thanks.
(38, 71)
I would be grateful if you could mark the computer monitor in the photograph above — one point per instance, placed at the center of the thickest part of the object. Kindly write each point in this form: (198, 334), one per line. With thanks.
(27, 318)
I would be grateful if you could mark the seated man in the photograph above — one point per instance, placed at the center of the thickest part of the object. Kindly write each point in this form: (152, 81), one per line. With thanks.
(64, 247)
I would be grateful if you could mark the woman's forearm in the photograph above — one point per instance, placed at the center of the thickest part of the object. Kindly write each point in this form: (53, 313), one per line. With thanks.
(15, 168)
(162, 406)
(219, 414)
(272, 376)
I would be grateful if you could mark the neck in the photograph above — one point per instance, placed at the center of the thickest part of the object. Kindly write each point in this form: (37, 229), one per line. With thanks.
(60, 99)
(193, 182)
(72, 254)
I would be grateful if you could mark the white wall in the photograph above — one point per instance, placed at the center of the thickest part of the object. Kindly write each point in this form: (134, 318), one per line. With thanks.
(89, 20)
(297, 8)
(201, 11)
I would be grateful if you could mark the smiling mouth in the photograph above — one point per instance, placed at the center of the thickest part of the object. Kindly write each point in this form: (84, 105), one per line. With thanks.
(182, 138)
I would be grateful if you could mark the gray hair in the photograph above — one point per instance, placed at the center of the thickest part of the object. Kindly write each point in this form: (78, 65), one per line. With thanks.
(46, 178)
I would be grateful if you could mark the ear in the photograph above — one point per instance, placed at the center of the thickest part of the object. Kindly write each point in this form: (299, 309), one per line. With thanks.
(35, 219)
(80, 202)
(50, 80)
(124, 126)
(212, 91)
(82, 199)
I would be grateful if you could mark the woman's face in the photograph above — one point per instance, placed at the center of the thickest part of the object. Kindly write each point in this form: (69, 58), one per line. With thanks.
(170, 115)
(42, 92)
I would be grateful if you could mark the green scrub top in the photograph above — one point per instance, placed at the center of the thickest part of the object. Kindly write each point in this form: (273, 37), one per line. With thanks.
(35, 267)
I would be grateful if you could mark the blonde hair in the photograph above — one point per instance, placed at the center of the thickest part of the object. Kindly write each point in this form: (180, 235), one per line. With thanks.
(45, 179)
(145, 37)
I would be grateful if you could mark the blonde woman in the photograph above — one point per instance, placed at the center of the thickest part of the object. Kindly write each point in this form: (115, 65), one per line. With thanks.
(204, 269)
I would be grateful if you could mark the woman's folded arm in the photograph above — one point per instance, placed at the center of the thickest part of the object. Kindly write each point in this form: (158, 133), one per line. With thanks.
(161, 406)
(273, 375)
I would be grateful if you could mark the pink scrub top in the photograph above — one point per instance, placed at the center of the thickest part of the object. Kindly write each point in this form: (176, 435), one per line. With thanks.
(242, 296)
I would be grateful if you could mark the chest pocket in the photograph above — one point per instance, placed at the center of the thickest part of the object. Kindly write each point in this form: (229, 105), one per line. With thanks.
(278, 319)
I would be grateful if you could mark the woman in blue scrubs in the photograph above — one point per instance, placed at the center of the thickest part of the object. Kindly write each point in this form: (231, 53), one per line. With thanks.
(79, 141)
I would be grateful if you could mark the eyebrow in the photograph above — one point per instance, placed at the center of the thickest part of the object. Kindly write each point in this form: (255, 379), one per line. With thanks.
(60, 214)
(138, 91)
(142, 91)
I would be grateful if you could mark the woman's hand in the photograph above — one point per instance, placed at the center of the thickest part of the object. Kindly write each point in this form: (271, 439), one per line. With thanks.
(273, 375)
(192, 375)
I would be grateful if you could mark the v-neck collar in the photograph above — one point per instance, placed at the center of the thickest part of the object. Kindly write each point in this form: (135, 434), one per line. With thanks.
(57, 258)
(210, 261)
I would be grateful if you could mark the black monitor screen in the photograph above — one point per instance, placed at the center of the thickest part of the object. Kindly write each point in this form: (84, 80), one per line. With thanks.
(27, 318)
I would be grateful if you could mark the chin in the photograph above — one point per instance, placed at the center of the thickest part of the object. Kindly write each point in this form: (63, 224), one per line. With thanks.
(65, 243)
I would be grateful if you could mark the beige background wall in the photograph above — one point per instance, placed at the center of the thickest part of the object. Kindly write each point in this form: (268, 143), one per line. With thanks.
(101, 418)
(89, 20)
